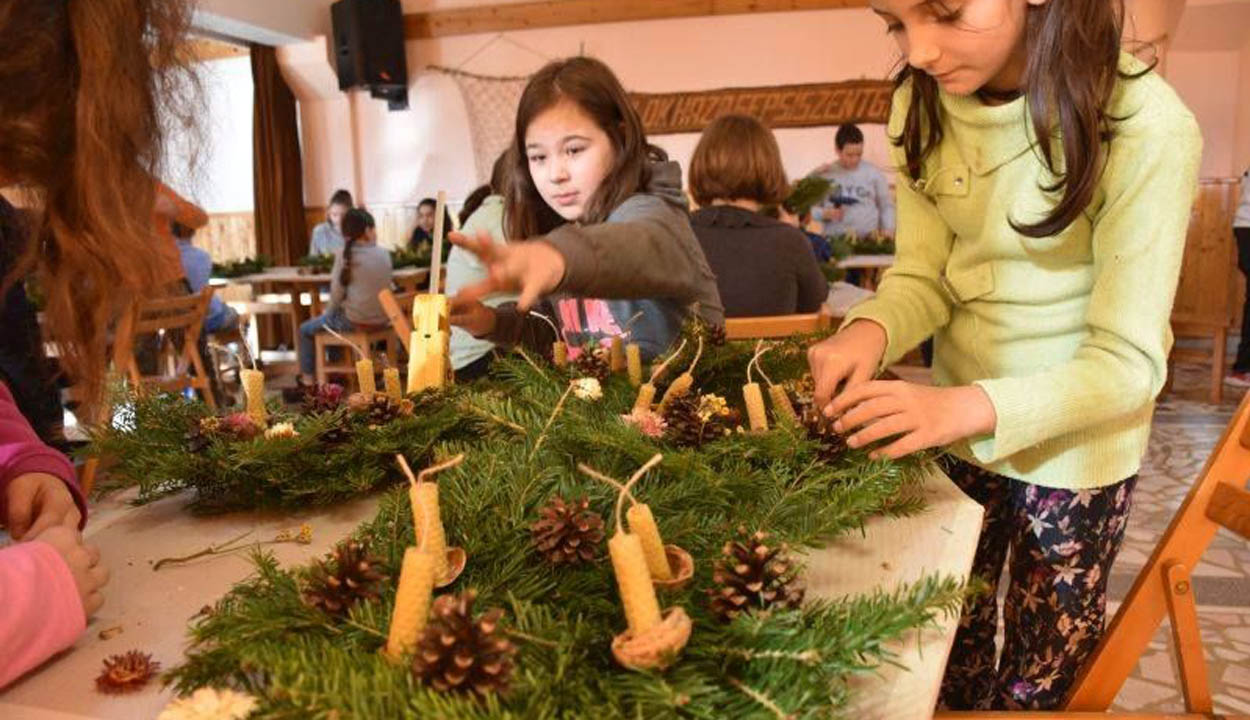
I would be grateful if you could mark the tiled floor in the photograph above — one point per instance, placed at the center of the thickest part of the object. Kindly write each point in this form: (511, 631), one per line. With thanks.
(1186, 429)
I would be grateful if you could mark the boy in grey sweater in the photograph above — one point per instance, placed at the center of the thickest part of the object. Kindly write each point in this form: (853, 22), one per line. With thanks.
(861, 200)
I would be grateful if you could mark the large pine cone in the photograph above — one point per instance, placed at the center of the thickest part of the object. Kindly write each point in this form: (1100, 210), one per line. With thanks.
(689, 424)
(568, 533)
(457, 653)
(593, 362)
(754, 576)
(349, 575)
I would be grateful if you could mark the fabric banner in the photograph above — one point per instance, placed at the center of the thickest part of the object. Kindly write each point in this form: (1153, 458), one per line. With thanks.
(779, 106)
(492, 102)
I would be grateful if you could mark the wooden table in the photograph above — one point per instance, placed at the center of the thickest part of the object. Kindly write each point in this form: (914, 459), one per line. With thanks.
(152, 607)
(289, 282)
(872, 265)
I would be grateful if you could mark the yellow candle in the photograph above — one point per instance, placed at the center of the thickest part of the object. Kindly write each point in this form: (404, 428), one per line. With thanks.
(559, 354)
(430, 312)
(646, 395)
(412, 602)
(427, 360)
(390, 378)
(424, 498)
(782, 408)
(680, 387)
(616, 354)
(254, 389)
(633, 579)
(633, 361)
(364, 377)
(642, 524)
(755, 406)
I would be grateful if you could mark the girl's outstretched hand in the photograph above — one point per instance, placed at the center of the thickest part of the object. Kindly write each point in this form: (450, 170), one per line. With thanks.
(532, 268)
(918, 416)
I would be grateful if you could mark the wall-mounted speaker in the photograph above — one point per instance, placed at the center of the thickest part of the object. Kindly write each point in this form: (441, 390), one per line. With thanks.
(369, 48)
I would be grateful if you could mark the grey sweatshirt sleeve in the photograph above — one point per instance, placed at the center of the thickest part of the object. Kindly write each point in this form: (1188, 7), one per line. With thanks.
(646, 249)
(885, 204)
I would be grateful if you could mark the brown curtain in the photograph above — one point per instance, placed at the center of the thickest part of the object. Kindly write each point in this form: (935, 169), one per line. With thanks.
(277, 174)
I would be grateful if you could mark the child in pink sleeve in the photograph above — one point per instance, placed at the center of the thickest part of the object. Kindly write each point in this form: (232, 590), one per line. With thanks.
(49, 580)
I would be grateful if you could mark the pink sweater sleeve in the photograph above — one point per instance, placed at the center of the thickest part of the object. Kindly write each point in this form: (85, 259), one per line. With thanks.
(40, 612)
(22, 452)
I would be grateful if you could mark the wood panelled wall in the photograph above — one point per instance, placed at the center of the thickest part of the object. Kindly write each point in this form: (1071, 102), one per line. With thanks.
(232, 236)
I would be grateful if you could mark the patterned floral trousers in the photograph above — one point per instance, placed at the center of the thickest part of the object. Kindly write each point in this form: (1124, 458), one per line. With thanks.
(1062, 545)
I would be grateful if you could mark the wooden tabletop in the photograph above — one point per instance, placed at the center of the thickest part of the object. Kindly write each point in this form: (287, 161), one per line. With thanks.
(291, 274)
(152, 607)
(866, 261)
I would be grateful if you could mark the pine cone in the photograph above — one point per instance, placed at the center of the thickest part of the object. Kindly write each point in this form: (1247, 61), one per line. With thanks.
(754, 576)
(348, 575)
(715, 335)
(378, 409)
(593, 362)
(199, 436)
(831, 445)
(337, 433)
(687, 426)
(126, 672)
(457, 653)
(567, 533)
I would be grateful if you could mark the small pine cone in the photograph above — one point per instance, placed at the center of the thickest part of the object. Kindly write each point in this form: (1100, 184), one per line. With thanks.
(348, 575)
(458, 653)
(337, 433)
(568, 533)
(754, 576)
(593, 362)
(715, 335)
(126, 672)
(199, 436)
(831, 445)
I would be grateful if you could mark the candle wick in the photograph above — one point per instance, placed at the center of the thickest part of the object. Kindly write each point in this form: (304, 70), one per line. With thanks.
(698, 354)
(630, 322)
(620, 486)
(435, 469)
(655, 374)
(620, 498)
(355, 347)
(412, 480)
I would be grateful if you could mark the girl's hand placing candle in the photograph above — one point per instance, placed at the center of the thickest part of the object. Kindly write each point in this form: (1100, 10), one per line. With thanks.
(920, 416)
(532, 269)
(849, 357)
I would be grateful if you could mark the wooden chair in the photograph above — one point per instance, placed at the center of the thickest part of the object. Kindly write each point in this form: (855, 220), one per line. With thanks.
(1204, 306)
(370, 338)
(775, 326)
(1217, 499)
(171, 316)
(398, 310)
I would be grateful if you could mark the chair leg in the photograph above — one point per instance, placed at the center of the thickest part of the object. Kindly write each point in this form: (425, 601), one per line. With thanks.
(1218, 364)
(320, 356)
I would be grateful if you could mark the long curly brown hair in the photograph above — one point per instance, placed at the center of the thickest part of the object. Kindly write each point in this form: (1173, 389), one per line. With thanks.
(87, 89)
(1073, 51)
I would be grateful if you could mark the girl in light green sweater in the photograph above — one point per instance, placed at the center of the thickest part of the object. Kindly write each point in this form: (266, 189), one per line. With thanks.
(1045, 181)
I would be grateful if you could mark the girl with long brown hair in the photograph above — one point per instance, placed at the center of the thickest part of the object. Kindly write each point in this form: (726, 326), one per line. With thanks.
(603, 216)
(1045, 181)
(86, 88)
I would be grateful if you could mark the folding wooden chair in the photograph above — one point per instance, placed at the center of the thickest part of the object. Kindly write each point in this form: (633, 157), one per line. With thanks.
(1217, 499)
(398, 309)
(171, 316)
(775, 326)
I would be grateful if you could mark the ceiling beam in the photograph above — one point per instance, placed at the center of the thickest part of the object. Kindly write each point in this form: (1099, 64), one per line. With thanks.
(561, 13)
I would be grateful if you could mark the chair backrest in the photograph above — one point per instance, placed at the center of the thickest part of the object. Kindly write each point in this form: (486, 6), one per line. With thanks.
(183, 315)
(775, 326)
(398, 308)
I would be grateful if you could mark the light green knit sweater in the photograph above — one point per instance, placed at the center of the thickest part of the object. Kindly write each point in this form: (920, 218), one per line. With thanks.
(1068, 335)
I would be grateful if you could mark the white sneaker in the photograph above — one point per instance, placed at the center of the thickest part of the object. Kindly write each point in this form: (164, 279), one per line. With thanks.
(1238, 379)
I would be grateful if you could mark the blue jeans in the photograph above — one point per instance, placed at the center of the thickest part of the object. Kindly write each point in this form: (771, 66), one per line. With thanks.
(333, 319)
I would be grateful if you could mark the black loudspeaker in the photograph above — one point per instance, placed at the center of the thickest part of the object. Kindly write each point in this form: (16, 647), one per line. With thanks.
(369, 48)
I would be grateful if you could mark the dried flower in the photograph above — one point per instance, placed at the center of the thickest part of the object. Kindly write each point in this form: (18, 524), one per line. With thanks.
(588, 388)
(323, 398)
(241, 425)
(648, 423)
(711, 406)
(126, 672)
(209, 704)
(281, 430)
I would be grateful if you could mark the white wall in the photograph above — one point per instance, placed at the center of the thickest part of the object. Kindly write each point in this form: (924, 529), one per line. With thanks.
(213, 165)
(1208, 83)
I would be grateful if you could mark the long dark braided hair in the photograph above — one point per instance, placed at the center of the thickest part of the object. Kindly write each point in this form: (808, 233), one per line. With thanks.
(356, 224)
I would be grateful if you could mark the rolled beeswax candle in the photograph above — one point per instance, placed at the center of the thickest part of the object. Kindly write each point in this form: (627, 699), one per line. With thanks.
(755, 406)
(421, 496)
(646, 395)
(633, 361)
(390, 378)
(782, 409)
(633, 579)
(364, 377)
(642, 524)
(559, 354)
(254, 389)
(412, 602)
(616, 354)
